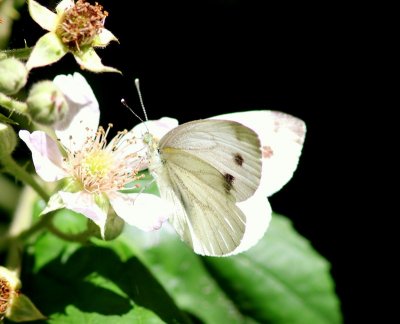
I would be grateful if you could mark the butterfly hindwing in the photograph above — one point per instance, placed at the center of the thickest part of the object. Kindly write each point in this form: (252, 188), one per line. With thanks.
(205, 214)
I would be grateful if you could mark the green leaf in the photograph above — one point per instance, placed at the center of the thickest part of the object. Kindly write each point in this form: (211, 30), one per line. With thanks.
(280, 280)
(92, 285)
(69, 221)
(48, 49)
(73, 316)
(184, 276)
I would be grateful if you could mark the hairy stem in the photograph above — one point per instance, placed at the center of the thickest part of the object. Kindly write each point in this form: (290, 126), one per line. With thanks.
(19, 53)
(13, 105)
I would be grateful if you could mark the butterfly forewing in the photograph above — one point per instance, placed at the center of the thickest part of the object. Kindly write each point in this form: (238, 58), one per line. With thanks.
(228, 146)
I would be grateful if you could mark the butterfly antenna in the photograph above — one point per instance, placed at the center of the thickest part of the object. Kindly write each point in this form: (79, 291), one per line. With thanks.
(140, 98)
(123, 101)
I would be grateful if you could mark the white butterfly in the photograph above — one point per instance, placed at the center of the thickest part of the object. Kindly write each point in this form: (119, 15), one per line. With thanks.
(204, 168)
(208, 170)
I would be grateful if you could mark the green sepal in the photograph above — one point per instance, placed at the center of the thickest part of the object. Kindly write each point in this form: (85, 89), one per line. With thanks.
(89, 60)
(23, 310)
(48, 49)
(41, 15)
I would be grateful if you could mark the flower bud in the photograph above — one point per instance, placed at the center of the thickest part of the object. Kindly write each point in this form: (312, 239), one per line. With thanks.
(114, 226)
(13, 75)
(46, 103)
(112, 229)
(8, 139)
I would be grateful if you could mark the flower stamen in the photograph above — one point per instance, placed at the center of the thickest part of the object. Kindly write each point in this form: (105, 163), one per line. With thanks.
(5, 296)
(81, 24)
(101, 168)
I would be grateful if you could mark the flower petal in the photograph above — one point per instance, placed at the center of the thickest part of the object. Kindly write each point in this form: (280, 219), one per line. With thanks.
(48, 49)
(258, 216)
(158, 128)
(104, 38)
(84, 203)
(44, 17)
(55, 202)
(64, 5)
(145, 211)
(89, 60)
(45, 154)
(282, 137)
(83, 115)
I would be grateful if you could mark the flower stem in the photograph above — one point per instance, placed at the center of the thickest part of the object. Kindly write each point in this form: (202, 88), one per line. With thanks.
(14, 169)
(9, 194)
(82, 237)
(13, 105)
(19, 53)
(22, 220)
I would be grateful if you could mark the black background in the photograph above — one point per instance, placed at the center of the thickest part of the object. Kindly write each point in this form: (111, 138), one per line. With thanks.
(197, 59)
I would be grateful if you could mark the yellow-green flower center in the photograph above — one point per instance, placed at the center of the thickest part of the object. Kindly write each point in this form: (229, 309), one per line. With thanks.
(100, 168)
(97, 163)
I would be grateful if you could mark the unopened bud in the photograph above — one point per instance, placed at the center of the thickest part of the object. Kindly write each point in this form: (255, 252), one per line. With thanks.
(13, 75)
(46, 103)
(8, 139)
(112, 229)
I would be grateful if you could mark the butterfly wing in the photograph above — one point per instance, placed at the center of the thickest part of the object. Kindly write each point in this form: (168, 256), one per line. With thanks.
(282, 137)
(207, 166)
(231, 148)
(205, 214)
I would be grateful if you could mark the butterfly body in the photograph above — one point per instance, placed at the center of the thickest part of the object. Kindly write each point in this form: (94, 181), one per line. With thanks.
(204, 168)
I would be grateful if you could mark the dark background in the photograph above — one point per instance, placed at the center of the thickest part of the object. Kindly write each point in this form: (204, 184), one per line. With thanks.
(201, 58)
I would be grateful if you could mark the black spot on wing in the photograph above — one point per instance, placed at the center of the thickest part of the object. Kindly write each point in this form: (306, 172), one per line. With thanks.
(238, 159)
(228, 182)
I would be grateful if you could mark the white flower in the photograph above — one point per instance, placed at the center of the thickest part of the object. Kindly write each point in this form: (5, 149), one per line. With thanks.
(282, 137)
(97, 170)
